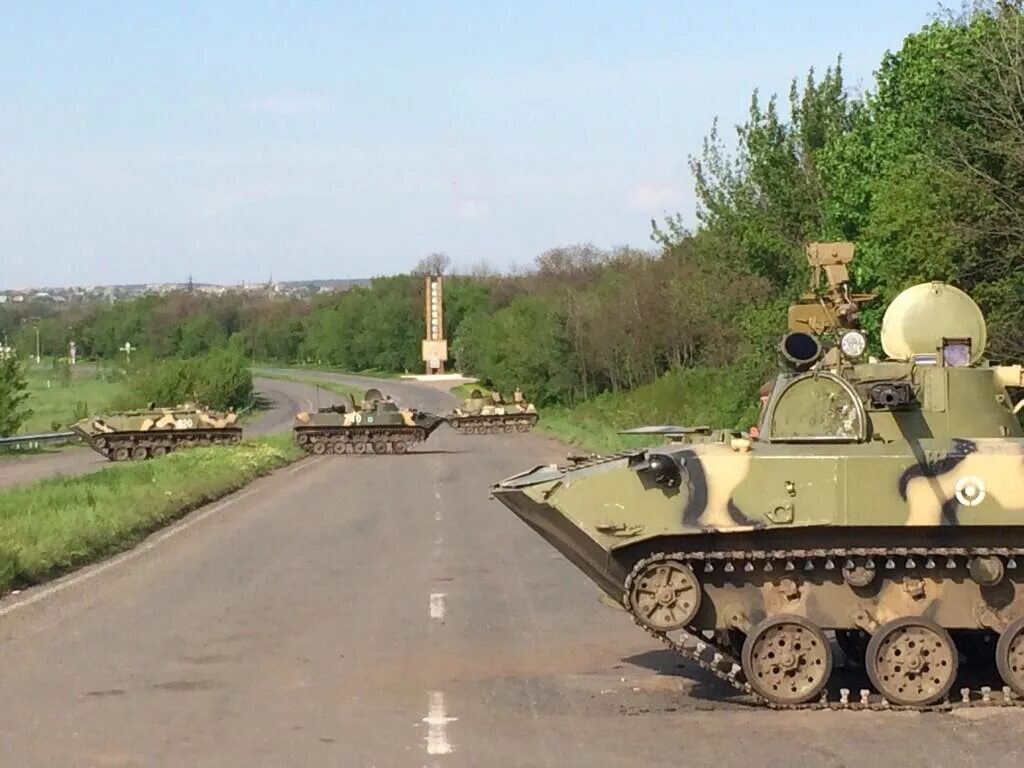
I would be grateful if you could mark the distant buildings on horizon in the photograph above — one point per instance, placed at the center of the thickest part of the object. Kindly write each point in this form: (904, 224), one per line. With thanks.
(79, 294)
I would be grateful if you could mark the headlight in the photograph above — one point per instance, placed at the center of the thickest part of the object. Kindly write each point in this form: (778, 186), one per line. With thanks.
(853, 343)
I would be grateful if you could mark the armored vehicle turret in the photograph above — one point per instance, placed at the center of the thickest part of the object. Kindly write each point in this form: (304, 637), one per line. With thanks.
(480, 415)
(882, 503)
(153, 432)
(377, 425)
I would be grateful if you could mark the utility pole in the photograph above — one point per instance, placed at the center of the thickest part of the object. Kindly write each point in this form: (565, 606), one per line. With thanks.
(127, 349)
(39, 358)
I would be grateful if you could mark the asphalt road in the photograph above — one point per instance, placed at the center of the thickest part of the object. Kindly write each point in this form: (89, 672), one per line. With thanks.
(381, 611)
(432, 396)
(285, 398)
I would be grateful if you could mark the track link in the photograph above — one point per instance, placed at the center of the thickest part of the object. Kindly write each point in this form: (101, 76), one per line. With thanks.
(137, 446)
(360, 440)
(493, 425)
(720, 661)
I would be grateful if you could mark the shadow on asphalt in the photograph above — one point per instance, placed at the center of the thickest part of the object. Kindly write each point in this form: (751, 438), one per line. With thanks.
(700, 685)
(260, 402)
(431, 453)
(703, 686)
(407, 455)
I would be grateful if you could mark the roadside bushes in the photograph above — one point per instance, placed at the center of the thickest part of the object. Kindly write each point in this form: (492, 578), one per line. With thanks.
(220, 380)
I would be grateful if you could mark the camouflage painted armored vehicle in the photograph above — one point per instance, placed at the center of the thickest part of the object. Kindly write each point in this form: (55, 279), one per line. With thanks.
(882, 503)
(479, 415)
(376, 426)
(153, 432)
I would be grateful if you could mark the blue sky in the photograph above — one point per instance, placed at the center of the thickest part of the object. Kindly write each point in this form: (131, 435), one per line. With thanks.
(141, 142)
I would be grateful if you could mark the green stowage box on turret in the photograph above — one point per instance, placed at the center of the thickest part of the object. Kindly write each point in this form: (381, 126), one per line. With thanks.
(882, 502)
(153, 432)
(376, 426)
(479, 415)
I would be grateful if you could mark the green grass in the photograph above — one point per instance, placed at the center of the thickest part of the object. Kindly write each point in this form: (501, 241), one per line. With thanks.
(714, 397)
(55, 525)
(53, 405)
(336, 387)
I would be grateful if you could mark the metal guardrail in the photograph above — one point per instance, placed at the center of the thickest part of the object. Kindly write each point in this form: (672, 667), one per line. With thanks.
(21, 442)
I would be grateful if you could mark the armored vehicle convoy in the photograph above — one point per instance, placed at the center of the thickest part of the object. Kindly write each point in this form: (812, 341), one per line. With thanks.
(882, 502)
(376, 426)
(479, 415)
(154, 432)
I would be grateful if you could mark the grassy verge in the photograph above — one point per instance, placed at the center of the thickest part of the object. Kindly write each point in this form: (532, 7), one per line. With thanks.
(336, 387)
(715, 397)
(56, 403)
(56, 525)
(588, 433)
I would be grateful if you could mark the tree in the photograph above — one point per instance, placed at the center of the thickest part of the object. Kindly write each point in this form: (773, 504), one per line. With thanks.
(13, 396)
(984, 157)
(224, 380)
(765, 202)
(432, 265)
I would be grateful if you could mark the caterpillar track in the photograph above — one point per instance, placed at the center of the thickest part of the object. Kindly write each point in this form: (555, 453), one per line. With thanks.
(933, 564)
(493, 425)
(138, 446)
(359, 440)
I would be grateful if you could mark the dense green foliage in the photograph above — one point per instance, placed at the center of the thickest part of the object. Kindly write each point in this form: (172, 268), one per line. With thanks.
(220, 379)
(925, 173)
(13, 395)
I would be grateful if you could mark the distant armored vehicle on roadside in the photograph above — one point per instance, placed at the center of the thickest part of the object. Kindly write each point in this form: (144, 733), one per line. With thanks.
(154, 432)
(882, 501)
(377, 425)
(480, 415)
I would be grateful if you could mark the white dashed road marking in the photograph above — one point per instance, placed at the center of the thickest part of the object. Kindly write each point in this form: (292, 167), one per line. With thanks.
(437, 606)
(437, 725)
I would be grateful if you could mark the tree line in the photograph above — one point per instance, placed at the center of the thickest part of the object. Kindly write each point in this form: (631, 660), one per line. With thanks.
(924, 172)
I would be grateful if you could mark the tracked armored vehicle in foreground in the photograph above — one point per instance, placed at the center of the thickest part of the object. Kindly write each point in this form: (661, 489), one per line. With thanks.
(882, 503)
(479, 415)
(377, 425)
(154, 432)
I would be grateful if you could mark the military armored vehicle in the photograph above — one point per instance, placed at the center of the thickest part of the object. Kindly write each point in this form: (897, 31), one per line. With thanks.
(480, 415)
(154, 432)
(377, 425)
(882, 503)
